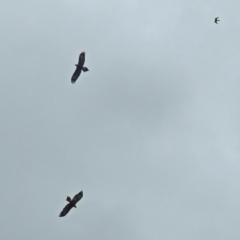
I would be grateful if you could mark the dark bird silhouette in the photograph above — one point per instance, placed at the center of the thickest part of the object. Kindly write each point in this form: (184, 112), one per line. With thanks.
(216, 20)
(79, 67)
(72, 203)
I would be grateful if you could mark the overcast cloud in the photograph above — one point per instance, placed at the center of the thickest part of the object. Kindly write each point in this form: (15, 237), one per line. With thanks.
(150, 134)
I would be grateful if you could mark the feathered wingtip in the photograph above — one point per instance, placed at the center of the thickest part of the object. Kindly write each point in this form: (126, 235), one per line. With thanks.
(73, 79)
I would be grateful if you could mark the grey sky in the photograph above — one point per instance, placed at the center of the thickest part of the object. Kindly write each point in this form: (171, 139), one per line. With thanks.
(150, 134)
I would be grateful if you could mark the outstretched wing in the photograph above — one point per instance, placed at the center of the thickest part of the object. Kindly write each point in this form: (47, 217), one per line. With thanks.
(76, 74)
(77, 197)
(81, 59)
(66, 209)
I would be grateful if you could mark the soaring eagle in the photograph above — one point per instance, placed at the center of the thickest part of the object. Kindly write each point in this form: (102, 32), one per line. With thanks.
(216, 20)
(79, 67)
(72, 203)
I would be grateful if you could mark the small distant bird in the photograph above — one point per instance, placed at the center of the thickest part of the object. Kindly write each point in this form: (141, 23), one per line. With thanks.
(79, 68)
(72, 203)
(216, 20)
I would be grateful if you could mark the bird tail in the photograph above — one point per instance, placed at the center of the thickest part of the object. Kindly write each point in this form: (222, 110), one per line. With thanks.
(85, 69)
(68, 199)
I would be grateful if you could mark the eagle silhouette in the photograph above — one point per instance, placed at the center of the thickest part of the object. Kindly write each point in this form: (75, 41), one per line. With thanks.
(79, 67)
(72, 203)
(216, 20)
